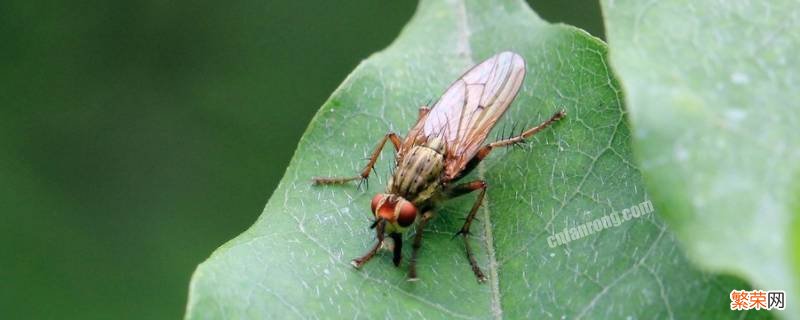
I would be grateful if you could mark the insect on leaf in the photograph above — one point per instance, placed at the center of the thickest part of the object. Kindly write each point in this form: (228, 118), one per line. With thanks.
(294, 261)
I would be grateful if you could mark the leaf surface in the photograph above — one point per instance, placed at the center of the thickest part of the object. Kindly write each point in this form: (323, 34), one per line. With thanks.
(294, 261)
(713, 99)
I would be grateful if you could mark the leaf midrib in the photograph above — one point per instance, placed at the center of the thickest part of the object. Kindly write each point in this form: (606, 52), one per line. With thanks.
(464, 46)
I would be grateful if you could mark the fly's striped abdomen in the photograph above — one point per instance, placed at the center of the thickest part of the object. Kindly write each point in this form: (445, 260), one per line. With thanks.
(417, 175)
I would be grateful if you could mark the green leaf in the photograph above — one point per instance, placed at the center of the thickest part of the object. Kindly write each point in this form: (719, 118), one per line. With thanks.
(713, 94)
(294, 261)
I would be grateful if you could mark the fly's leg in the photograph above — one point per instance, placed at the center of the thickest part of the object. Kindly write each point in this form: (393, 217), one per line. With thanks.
(360, 261)
(391, 136)
(485, 150)
(527, 133)
(476, 185)
(456, 191)
(398, 248)
(423, 111)
(412, 264)
(481, 185)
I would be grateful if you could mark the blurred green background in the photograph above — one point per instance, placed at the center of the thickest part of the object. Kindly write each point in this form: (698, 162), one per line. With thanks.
(137, 137)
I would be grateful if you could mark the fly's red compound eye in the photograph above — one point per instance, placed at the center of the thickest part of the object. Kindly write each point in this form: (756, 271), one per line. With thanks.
(408, 213)
(375, 200)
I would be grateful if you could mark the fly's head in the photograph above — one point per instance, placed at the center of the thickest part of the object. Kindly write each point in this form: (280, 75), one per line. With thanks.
(398, 212)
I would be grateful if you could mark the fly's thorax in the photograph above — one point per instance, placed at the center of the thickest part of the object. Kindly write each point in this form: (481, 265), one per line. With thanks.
(418, 173)
(435, 144)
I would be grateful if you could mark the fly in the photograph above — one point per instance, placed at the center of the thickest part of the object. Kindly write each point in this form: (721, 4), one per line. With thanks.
(445, 144)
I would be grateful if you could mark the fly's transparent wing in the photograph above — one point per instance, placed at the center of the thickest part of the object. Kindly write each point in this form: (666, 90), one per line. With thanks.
(470, 107)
